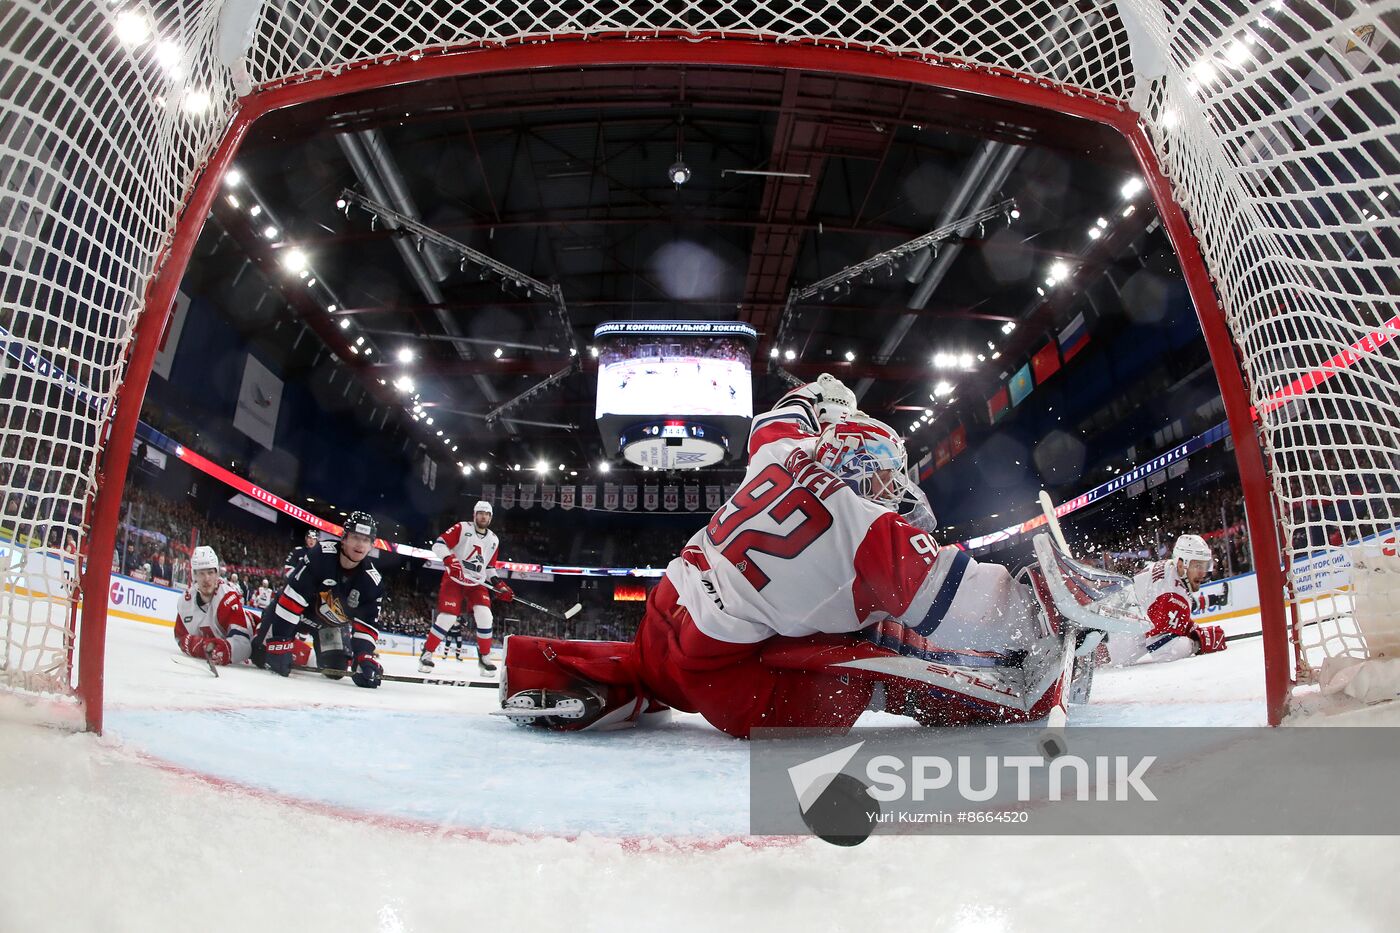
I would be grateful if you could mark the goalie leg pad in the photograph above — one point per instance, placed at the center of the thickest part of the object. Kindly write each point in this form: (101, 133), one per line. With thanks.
(600, 676)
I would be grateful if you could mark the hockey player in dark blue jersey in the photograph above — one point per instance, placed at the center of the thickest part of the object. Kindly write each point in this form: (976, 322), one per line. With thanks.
(334, 595)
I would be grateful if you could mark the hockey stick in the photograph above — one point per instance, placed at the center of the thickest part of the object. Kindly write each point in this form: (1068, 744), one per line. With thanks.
(1051, 742)
(337, 673)
(569, 613)
(187, 660)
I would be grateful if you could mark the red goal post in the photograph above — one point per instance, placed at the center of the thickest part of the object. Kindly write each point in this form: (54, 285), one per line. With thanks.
(1257, 127)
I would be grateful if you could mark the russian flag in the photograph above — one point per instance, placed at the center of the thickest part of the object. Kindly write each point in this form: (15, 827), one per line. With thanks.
(1073, 337)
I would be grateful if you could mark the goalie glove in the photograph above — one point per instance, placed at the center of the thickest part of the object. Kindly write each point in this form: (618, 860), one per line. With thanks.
(503, 591)
(1209, 639)
(835, 401)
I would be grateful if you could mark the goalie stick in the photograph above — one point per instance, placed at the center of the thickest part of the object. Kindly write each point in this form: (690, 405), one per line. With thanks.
(1051, 741)
(399, 678)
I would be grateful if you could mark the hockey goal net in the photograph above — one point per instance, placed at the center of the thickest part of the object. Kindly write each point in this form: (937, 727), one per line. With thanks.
(1267, 132)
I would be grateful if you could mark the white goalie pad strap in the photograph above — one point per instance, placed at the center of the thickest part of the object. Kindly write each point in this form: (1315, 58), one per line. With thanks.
(1002, 686)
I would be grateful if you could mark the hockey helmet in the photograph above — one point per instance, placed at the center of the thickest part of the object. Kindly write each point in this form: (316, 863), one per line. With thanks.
(483, 506)
(1192, 547)
(361, 523)
(204, 558)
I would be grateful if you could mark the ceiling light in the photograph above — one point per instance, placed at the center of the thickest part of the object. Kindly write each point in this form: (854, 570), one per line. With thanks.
(131, 27)
(310, 282)
(1101, 223)
(996, 355)
(340, 204)
(1095, 233)
(270, 232)
(541, 467)
(1132, 188)
(233, 200)
(942, 389)
(573, 472)
(345, 323)
(573, 351)
(790, 355)
(773, 352)
(294, 260)
(1008, 327)
(981, 358)
(498, 352)
(369, 351)
(604, 467)
(430, 421)
(255, 210)
(467, 470)
(196, 101)
(561, 468)
(331, 309)
(679, 172)
(850, 356)
(593, 351)
(1128, 211)
(1040, 291)
(359, 341)
(404, 384)
(965, 361)
(355, 350)
(405, 355)
(481, 465)
(1015, 214)
(439, 433)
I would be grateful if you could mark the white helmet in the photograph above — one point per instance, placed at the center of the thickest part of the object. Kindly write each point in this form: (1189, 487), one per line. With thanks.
(1192, 547)
(483, 506)
(857, 449)
(204, 558)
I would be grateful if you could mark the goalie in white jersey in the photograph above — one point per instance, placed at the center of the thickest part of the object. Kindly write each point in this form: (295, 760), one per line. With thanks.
(467, 549)
(788, 607)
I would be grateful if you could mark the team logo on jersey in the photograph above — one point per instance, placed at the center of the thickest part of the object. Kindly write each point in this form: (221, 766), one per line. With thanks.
(328, 582)
(353, 599)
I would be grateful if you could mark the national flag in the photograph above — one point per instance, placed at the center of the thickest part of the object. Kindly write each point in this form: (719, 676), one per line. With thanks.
(1046, 362)
(997, 405)
(957, 441)
(1073, 337)
(1021, 384)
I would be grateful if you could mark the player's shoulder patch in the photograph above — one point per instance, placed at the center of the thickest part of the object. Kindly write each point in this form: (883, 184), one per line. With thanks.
(374, 575)
(329, 547)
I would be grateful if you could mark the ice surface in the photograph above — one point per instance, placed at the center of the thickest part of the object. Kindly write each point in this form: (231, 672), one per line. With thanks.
(249, 801)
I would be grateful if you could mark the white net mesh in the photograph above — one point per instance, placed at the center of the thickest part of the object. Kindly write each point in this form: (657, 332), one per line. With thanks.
(1274, 121)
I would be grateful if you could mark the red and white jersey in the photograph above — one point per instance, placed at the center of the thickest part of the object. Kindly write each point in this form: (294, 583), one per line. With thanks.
(1167, 602)
(218, 616)
(476, 551)
(262, 597)
(796, 551)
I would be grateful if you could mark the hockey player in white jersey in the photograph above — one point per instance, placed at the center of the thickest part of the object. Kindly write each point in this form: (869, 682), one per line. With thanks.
(815, 582)
(1167, 591)
(262, 596)
(468, 550)
(210, 622)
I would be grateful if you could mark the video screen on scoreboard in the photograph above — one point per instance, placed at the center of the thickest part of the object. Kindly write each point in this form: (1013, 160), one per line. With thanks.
(681, 368)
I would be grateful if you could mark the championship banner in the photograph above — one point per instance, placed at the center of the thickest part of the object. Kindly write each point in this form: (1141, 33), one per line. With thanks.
(629, 498)
(671, 498)
(547, 495)
(508, 496)
(692, 498)
(649, 498)
(588, 497)
(566, 497)
(610, 497)
(713, 498)
(170, 340)
(527, 495)
(259, 401)
(488, 493)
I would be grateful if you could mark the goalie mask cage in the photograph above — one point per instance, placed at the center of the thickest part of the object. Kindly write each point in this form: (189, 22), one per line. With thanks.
(1265, 131)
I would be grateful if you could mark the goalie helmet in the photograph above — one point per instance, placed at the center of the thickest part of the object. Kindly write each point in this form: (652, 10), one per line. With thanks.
(204, 558)
(869, 455)
(1192, 547)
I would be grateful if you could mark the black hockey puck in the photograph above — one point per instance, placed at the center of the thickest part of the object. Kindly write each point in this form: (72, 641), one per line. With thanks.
(843, 814)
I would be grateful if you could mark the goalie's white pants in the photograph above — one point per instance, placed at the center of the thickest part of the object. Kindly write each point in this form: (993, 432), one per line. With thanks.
(990, 612)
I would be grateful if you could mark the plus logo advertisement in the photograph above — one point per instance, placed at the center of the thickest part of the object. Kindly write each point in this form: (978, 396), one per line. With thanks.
(144, 601)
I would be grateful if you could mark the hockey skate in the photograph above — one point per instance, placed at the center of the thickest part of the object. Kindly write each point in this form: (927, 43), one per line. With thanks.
(425, 662)
(485, 665)
(552, 709)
